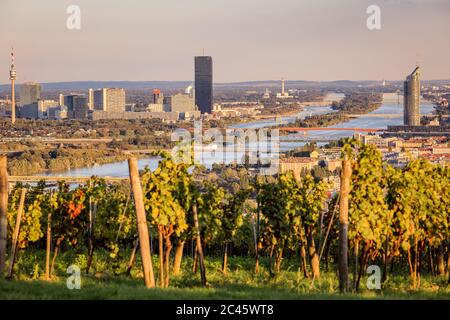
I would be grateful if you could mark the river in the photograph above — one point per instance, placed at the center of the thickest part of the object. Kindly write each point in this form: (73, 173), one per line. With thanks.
(395, 110)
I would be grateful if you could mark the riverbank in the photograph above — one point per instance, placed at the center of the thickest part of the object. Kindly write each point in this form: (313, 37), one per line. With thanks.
(54, 160)
(299, 109)
(357, 103)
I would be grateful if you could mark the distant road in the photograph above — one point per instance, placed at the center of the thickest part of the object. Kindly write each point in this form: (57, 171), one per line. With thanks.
(145, 151)
(58, 140)
(67, 179)
(381, 115)
(329, 129)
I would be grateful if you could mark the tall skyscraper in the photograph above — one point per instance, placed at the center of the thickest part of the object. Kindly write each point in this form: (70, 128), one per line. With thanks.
(68, 102)
(109, 99)
(62, 100)
(204, 83)
(91, 99)
(12, 77)
(80, 107)
(411, 99)
(30, 93)
(77, 105)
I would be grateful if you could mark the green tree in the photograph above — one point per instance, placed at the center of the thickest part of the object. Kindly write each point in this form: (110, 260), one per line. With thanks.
(419, 200)
(232, 220)
(161, 200)
(368, 211)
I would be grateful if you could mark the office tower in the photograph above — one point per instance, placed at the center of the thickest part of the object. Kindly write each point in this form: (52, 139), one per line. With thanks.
(80, 107)
(37, 110)
(179, 103)
(30, 93)
(57, 113)
(411, 99)
(68, 102)
(100, 99)
(62, 100)
(204, 83)
(77, 105)
(12, 77)
(3, 108)
(29, 111)
(91, 99)
(44, 106)
(109, 99)
(158, 97)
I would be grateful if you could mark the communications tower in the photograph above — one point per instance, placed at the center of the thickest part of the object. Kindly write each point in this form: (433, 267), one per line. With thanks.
(12, 77)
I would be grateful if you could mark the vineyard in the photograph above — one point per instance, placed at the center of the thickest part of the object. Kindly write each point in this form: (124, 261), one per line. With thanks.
(185, 235)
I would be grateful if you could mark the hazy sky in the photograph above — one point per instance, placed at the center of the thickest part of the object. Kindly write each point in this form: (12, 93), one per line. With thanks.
(248, 39)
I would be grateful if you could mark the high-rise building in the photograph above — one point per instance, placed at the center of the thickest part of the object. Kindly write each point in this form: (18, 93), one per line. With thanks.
(68, 102)
(411, 99)
(37, 110)
(204, 83)
(80, 107)
(62, 100)
(109, 99)
(57, 113)
(30, 93)
(158, 96)
(77, 105)
(91, 99)
(179, 103)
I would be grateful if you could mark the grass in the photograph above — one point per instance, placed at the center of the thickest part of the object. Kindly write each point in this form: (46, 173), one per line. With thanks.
(240, 283)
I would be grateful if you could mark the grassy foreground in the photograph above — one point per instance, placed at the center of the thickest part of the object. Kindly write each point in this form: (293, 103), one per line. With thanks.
(240, 283)
(93, 289)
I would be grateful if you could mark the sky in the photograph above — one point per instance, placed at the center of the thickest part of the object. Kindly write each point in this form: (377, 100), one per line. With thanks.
(249, 40)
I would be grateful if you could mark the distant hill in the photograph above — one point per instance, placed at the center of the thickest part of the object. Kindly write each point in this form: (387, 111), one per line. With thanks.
(130, 85)
(84, 85)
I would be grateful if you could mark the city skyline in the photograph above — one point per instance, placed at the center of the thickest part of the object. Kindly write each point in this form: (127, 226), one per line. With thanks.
(250, 41)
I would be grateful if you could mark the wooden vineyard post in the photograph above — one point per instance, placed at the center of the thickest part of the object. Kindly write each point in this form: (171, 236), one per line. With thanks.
(257, 235)
(48, 246)
(132, 257)
(141, 220)
(343, 224)
(3, 211)
(12, 258)
(199, 246)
